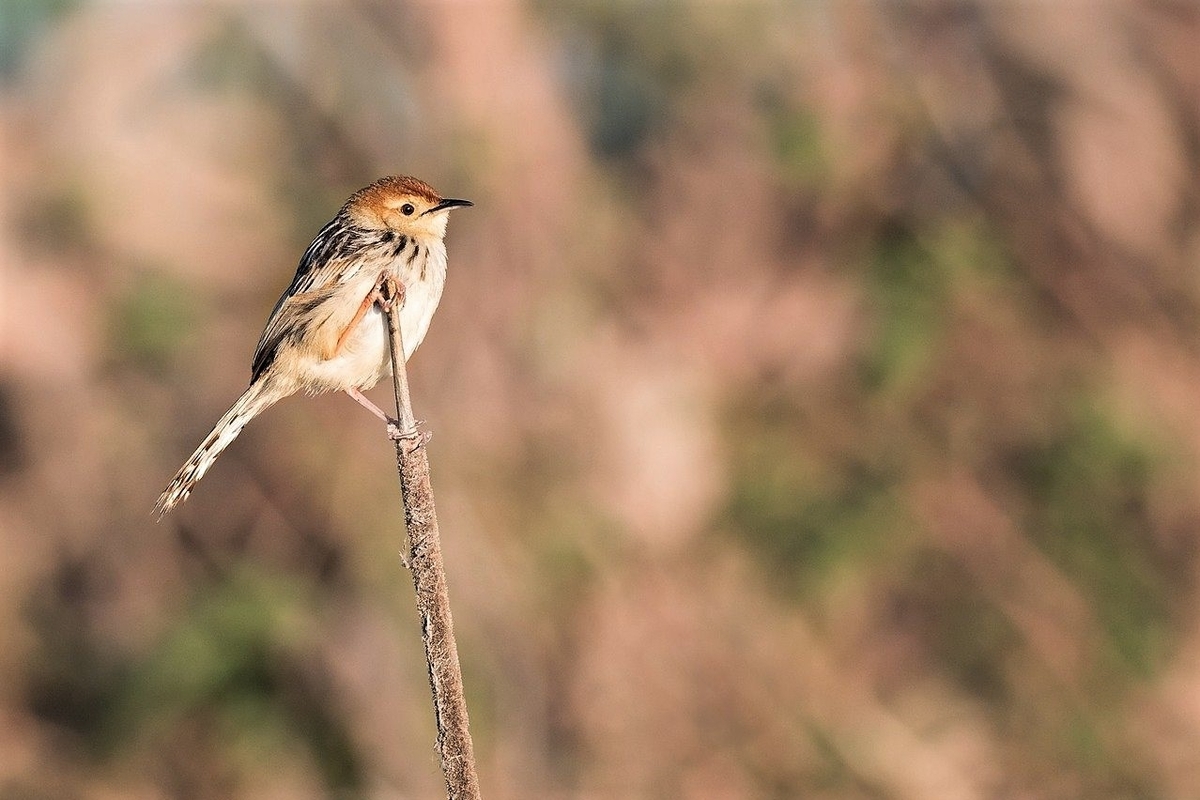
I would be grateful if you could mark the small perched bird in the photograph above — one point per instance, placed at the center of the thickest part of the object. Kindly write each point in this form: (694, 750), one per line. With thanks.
(328, 332)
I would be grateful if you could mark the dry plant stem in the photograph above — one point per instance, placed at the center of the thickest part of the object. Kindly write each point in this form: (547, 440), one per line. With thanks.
(392, 293)
(429, 579)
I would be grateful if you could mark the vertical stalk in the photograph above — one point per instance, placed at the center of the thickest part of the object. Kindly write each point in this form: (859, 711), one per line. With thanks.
(454, 746)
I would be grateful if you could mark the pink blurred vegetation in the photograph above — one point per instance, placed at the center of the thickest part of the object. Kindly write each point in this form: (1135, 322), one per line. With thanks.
(814, 400)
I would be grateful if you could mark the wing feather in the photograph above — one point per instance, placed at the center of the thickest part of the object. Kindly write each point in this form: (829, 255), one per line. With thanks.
(324, 265)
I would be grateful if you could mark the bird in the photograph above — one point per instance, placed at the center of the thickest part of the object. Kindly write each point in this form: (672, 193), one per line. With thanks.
(328, 330)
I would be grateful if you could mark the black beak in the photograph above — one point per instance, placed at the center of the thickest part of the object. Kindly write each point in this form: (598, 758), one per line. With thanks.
(442, 206)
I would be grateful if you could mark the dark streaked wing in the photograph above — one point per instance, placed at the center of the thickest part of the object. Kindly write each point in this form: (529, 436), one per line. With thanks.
(335, 246)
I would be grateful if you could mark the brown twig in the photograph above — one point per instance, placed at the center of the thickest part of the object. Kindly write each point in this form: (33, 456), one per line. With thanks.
(429, 579)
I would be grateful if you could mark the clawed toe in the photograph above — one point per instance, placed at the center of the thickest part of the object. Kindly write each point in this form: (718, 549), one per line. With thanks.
(389, 292)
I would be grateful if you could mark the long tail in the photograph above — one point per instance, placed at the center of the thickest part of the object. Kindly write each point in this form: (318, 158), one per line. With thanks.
(256, 399)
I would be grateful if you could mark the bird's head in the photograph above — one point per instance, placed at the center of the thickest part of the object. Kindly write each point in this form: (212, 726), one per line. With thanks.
(404, 204)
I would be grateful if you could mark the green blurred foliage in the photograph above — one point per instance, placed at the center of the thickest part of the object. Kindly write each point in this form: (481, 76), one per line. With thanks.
(237, 663)
(909, 289)
(796, 140)
(74, 679)
(21, 22)
(972, 638)
(242, 655)
(627, 67)
(153, 320)
(810, 516)
(1087, 486)
(230, 61)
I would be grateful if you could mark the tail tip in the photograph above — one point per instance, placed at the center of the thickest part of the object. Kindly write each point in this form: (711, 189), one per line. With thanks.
(167, 501)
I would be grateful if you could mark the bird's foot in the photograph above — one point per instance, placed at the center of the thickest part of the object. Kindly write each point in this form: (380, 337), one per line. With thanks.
(389, 292)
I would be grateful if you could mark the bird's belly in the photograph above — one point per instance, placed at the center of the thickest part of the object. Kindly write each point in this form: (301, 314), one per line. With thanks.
(365, 355)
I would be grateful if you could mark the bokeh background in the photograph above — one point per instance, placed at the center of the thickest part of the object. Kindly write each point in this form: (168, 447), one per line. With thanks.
(814, 399)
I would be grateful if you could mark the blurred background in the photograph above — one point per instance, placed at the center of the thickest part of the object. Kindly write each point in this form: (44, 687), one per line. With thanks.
(814, 399)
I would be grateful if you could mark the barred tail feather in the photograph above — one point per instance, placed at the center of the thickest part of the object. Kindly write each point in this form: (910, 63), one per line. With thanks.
(254, 401)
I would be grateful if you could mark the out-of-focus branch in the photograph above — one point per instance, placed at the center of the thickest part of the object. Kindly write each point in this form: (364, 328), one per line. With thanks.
(429, 578)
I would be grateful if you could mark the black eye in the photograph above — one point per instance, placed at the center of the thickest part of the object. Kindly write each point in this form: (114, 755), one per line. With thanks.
(407, 209)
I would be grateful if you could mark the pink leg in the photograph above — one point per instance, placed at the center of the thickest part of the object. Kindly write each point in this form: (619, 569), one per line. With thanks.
(362, 400)
(386, 292)
(368, 301)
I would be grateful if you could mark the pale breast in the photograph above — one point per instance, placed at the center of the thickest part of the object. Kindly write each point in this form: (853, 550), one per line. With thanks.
(364, 357)
(423, 277)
